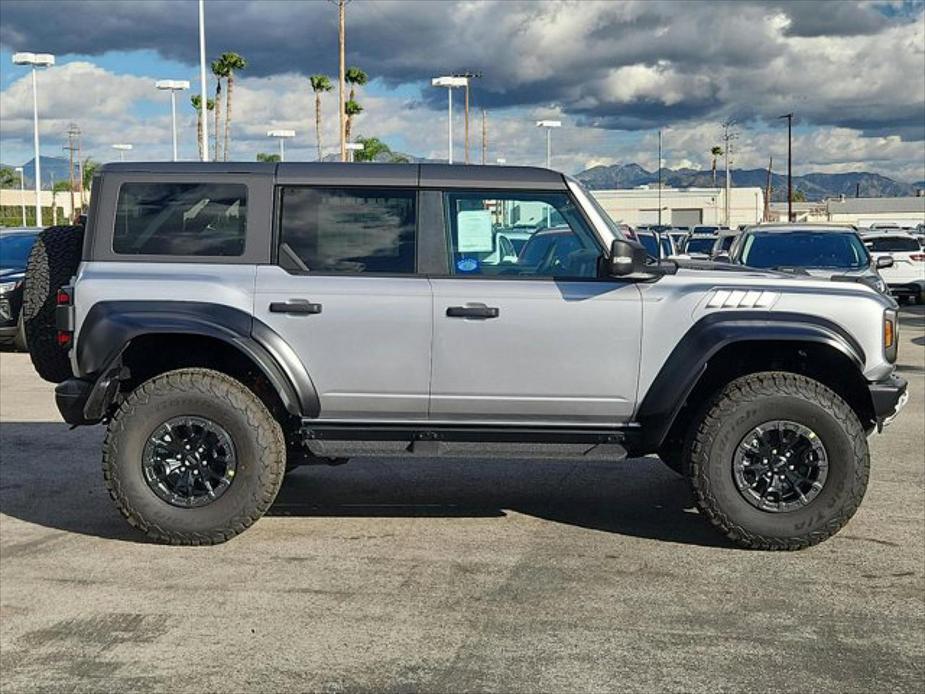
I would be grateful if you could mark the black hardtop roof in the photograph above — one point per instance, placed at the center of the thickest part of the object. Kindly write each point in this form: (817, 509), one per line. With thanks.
(334, 173)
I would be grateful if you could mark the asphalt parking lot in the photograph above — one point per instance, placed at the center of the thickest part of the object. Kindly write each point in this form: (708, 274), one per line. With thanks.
(449, 575)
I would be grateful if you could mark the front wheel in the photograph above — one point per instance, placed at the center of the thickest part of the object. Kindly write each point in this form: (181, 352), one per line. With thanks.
(193, 457)
(778, 461)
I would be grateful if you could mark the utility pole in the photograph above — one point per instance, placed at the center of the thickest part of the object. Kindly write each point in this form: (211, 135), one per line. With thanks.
(767, 192)
(341, 17)
(660, 183)
(728, 136)
(484, 138)
(73, 138)
(789, 117)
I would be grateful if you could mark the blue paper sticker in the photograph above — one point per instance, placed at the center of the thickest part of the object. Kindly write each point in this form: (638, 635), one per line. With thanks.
(467, 264)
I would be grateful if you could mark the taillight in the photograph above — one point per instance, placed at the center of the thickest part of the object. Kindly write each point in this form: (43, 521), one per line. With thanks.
(918, 257)
(63, 318)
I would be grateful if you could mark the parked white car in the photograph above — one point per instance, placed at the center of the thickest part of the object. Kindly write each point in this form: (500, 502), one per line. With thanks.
(906, 277)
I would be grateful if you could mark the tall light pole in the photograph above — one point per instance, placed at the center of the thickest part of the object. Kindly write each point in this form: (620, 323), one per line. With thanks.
(36, 60)
(173, 86)
(789, 117)
(549, 125)
(22, 192)
(203, 111)
(281, 135)
(122, 150)
(450, 82)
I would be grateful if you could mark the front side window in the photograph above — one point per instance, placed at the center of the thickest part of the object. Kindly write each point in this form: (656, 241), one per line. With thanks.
(525, 234)
(196, 219)
(348, 230)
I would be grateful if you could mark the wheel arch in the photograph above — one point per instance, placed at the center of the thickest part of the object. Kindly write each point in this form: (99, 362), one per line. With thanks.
(138, 339)
(722, 347)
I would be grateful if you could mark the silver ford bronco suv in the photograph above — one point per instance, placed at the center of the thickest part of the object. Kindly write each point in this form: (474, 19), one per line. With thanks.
(229, 322)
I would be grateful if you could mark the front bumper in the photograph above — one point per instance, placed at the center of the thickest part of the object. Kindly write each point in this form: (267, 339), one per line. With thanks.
(914, 289)
(889, 396)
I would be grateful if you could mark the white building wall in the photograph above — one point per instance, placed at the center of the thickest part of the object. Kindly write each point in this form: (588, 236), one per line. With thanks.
(636, 206)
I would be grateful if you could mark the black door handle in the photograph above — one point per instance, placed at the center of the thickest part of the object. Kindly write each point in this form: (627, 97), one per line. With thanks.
(472, 312)
(298, 306)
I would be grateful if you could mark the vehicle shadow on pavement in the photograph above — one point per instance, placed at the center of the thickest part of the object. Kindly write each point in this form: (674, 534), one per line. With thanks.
(639, 497)
(50, 476)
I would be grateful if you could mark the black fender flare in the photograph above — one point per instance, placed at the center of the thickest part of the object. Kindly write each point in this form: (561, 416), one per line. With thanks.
(110, 327)
(689, 359)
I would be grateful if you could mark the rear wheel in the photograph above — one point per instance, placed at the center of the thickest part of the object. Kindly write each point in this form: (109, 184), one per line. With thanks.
(193, 457)
(52, 262)
(778, 461)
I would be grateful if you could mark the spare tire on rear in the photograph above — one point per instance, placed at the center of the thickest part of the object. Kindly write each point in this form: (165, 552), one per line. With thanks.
(52, 262)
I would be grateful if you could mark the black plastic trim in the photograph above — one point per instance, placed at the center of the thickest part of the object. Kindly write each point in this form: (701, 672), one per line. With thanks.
(885, 395)
(313, 430)
(690, 357)
(110, 327)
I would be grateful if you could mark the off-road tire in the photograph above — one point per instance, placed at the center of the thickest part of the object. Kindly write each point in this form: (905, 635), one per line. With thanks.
(748, 402)
(257, 437)
(52, 262)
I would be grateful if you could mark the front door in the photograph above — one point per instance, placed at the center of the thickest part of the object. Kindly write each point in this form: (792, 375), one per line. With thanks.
(534, 338)
(345, 295)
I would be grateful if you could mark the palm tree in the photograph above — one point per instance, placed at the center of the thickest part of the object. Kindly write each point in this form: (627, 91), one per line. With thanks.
(715, 151)
(351, 108)
(231, 62)
(320, 84)
(263, 156)
(196, 100)
(354, 77)
(89, 169)
(219, 70)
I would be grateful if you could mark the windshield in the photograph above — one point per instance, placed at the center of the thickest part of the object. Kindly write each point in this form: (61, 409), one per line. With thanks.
(701, 245)
(903, 244)
(805, 249)
(14, 250)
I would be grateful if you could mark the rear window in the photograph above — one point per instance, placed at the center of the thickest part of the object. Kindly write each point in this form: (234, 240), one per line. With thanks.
(901, 244)
(701, 245)
(196, 219)
(335, 230)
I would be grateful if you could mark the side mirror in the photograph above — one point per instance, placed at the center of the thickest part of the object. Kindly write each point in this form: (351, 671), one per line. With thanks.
(626, 258)
(884, 261)
(722, 258)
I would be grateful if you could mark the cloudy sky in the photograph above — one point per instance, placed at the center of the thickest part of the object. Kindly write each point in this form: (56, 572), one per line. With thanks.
(614, 72)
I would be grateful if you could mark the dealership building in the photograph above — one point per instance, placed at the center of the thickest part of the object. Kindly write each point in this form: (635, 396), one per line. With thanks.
(682, 206)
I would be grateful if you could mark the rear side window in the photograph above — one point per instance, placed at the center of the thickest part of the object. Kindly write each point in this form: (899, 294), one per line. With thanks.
(347, 230)
(196, 219)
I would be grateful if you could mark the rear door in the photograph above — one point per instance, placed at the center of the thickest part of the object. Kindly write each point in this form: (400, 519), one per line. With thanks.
(536, 339)
(345, 294)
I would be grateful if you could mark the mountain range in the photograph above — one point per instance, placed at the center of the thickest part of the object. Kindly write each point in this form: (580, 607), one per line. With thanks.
(814, 186)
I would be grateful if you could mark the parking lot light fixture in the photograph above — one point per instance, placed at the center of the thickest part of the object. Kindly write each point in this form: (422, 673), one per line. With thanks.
(353, 147)
(548, 125)
(36, 60)
(450, 82)
(22, 192)
(282, 136)
(173, 86)
(123, 148)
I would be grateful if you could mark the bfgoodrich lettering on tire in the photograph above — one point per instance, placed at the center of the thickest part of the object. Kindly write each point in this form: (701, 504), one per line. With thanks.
(778, 461)
(193, 457)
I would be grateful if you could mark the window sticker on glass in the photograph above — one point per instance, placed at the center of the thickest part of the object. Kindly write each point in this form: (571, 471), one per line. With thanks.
(473, 228)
